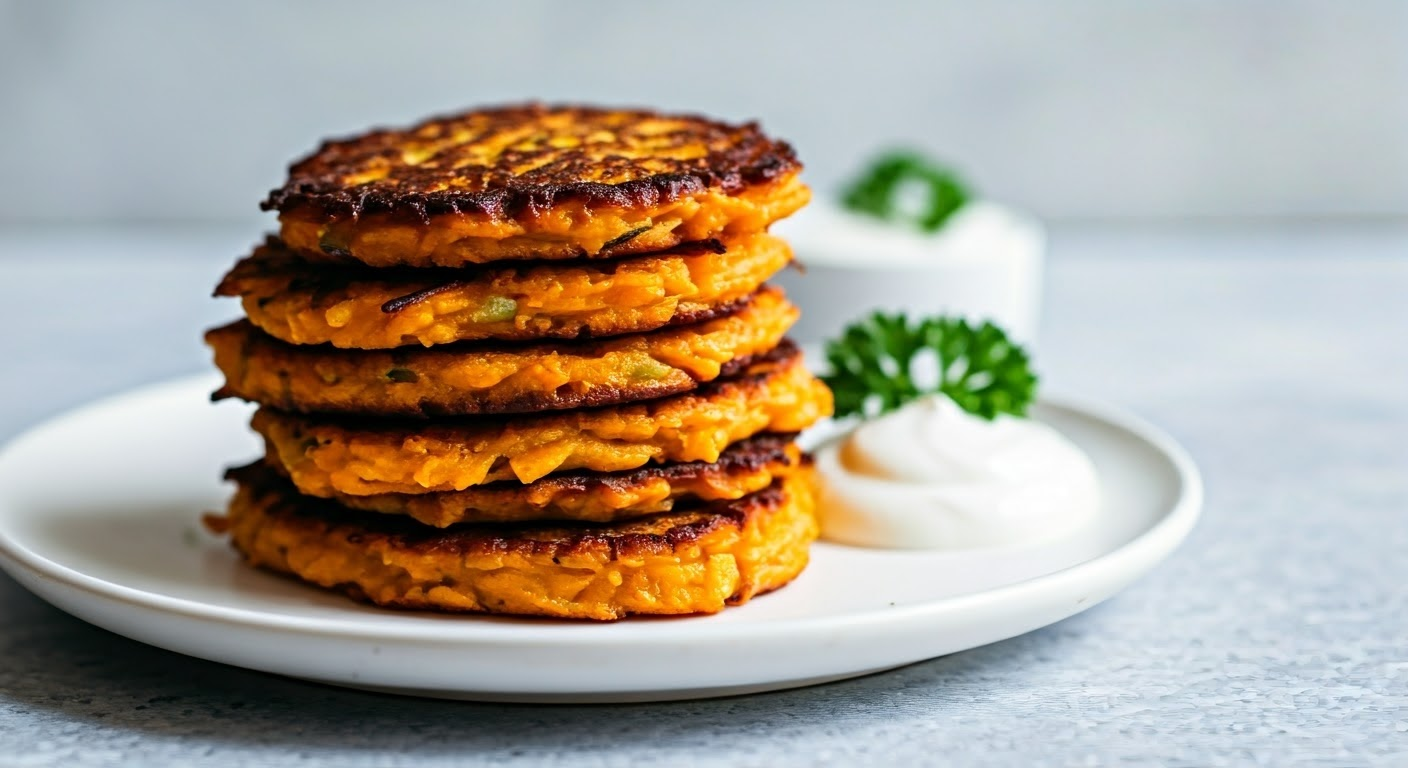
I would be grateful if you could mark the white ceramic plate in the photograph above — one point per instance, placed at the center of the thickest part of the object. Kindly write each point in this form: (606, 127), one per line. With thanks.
(99, 515)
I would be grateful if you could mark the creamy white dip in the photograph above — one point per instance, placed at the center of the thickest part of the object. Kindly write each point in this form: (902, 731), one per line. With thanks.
(933, 476)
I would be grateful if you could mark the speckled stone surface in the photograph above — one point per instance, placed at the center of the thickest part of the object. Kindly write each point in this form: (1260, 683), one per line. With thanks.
(1278, 635)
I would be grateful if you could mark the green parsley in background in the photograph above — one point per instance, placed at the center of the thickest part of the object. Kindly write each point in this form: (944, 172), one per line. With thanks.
(905, 186)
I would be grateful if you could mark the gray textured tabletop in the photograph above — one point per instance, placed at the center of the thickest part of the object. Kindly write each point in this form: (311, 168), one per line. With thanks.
(1277, 634)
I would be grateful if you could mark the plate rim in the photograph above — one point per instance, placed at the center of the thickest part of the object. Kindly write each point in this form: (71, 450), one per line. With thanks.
(1152, 545)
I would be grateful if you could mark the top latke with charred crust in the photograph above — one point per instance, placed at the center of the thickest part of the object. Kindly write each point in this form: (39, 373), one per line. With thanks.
(534, 182)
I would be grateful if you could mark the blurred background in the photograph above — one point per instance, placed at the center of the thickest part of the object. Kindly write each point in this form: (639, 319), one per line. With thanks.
(152, 112)
(1224, 184)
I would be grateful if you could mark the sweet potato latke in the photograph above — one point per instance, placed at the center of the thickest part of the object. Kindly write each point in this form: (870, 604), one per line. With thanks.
(599, 497)
(440, 381)
(324, 456)
(689, 561)
(534, 182)
(371, 309)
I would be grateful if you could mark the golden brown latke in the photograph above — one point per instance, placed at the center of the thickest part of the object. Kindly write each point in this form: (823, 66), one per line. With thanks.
(324, 456)
(534, 182)
(486, 378)
(694, 561)
(746, 467)
(379, 309)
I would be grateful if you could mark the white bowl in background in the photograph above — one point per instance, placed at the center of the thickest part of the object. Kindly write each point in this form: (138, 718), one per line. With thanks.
(986, 264)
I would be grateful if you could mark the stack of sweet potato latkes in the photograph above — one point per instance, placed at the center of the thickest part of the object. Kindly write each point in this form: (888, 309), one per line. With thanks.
(524, 361)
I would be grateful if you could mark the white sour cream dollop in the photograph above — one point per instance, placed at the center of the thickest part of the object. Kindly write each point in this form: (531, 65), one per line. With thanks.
(933, 476)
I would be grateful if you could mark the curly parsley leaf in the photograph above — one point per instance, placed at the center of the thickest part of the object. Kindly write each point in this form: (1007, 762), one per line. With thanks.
(884, 361)
(906, 186)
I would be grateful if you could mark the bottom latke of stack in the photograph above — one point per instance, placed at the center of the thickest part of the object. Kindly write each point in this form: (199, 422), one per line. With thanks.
(695, 559)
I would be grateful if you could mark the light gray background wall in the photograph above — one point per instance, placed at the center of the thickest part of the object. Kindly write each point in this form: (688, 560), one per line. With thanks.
(1079, 109)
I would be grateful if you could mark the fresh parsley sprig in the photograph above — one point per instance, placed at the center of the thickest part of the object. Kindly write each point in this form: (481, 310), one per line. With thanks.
(880, 192)
(877, 365)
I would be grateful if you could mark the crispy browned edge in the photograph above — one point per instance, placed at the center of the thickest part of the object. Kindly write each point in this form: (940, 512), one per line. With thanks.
(314, 182)
(666, 532)
(745, 455)
(273, 257)
(256, 342)
(751, 379)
